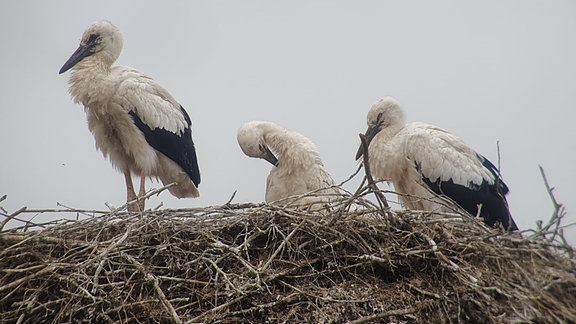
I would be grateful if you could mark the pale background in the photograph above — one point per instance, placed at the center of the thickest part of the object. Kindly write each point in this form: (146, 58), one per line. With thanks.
(487, 71)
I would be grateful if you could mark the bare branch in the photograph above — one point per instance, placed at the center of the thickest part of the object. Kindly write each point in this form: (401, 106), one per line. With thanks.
(381, 199)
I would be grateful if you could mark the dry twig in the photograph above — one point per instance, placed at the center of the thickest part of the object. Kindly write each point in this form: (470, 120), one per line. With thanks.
(371, 184)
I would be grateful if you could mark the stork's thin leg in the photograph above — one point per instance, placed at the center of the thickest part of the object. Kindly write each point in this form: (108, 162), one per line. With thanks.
(131, 195)
(142, 193)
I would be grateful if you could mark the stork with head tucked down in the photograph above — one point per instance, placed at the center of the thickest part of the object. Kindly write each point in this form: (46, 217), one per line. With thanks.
(136, 123)
(297, 169)
(426, 163)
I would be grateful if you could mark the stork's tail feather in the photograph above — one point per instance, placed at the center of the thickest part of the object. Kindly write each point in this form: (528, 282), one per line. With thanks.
(170, 172)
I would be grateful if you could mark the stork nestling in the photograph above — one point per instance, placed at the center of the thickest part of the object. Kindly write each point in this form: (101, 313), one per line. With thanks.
(297, 169)
(136, 123)
(426, 163)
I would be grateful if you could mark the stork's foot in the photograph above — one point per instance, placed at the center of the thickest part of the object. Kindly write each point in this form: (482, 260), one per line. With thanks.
(142, 193)
(138, 205)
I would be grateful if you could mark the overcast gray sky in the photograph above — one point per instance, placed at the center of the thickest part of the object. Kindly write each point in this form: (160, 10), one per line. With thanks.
(487, 71)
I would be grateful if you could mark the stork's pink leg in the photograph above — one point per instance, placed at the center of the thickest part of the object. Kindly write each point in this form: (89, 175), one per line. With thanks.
(142, 193)
(131, 195)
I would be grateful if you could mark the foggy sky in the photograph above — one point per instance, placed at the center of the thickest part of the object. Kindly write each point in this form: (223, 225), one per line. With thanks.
(490, 72)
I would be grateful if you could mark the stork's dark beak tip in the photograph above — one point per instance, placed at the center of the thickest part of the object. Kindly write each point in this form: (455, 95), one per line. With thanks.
(359, 153)
(361, 148)
(270, 157)
(78, 55)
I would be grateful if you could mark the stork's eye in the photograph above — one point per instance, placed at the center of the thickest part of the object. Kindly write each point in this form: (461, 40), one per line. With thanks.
(93, 40)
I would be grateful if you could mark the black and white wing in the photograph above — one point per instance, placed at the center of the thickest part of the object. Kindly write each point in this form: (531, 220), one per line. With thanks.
(165, 124)
(450, 168)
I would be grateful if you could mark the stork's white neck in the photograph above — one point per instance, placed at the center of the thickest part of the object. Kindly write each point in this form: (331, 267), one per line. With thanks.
(88, 81)
(292, 148)
(389, 131)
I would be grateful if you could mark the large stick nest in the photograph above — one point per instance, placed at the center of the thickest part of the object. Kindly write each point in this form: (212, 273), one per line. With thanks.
(352, 261)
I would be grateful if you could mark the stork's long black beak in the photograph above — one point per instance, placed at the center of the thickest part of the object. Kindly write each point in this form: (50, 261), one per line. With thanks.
(370, 133)
(84, 50)
(269, 156)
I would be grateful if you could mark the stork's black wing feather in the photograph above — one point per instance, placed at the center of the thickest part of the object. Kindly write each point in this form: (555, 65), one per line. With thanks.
(492, 197)
(177, 147)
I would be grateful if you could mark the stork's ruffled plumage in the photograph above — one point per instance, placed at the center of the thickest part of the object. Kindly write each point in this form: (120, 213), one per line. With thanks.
(136, 123)
(297, 169)
(425, 162)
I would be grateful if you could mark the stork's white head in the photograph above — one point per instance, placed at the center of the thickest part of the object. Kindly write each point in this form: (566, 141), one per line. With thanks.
(253, 143)
(385, 113)
(101, 39)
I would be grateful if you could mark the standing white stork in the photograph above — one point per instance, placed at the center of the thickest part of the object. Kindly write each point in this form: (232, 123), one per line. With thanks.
(136, 123)
(297, 169)
(425, 162)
